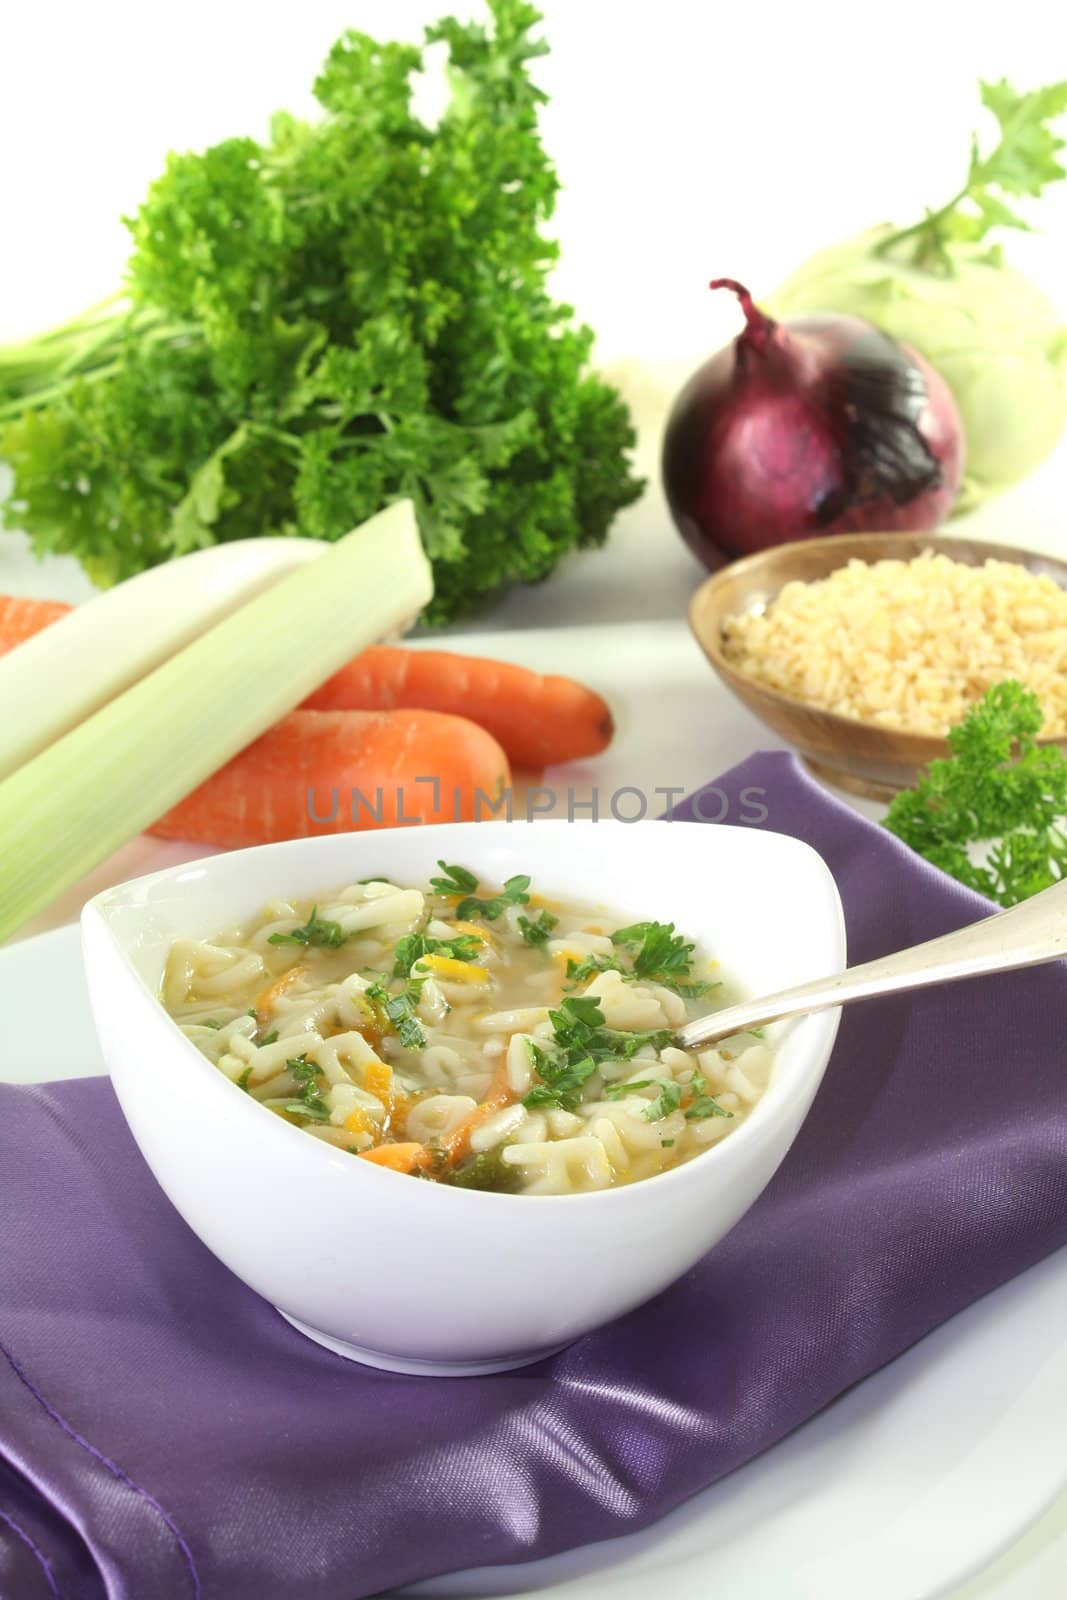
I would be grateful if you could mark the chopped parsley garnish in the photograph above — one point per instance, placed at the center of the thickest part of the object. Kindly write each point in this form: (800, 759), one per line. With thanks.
(310, 1102)
(455, 880)
(316, 930)
(487, 1170)
(668, 1100)
(270, 1039)
(563, 1078)
(538, 931)
(458, 880)
(243, 1080)
(661, 956)
(210, 1022)
(400, 1011)
(464, 947)
(513, 894)
(581, 1043)
(617, 1091)
(705, 1105)
(593, 965)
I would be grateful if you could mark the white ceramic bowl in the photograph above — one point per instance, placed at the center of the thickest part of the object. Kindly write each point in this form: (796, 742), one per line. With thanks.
(412, 1276)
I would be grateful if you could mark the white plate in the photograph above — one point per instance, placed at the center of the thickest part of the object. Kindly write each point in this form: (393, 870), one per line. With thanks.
(900, 1491)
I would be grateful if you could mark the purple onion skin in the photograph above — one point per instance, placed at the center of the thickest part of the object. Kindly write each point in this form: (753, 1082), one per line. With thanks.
(812, 426)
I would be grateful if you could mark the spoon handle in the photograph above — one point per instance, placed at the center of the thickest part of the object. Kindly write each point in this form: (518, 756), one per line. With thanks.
(1024, 936)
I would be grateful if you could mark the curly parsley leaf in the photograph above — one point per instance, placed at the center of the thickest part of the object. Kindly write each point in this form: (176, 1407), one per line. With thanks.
(999, 788)
(354, 311)
(316, 930)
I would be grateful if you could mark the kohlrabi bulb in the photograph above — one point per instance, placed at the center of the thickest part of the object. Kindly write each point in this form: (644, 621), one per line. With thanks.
(991, 333)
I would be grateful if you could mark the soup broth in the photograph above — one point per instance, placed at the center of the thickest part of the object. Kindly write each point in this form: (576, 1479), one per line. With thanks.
(474, 1036)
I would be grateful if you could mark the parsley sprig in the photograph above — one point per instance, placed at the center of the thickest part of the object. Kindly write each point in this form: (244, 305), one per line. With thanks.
(1000, 788)
(353, 311)
(1021, 163)
(399, 1010)
(661, 956)
(537, 930)
(316, 930)
(592, 965)
(412, 948)
(310, 1102)
(458, 880)
(581, 1043)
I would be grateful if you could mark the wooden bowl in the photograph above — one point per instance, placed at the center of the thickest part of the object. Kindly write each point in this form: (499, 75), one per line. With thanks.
(858, 756)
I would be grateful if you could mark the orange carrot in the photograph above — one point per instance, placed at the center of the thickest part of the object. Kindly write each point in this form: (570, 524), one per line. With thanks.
(265, 1000)
(332, 771)
(457, 1143)
(21, 618)
(398, 1157)
(539, 721)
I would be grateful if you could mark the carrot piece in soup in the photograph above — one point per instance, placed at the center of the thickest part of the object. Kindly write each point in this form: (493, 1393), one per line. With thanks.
(398, 1157)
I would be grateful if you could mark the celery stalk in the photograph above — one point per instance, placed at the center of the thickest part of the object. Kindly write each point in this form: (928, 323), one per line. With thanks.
(72, 806)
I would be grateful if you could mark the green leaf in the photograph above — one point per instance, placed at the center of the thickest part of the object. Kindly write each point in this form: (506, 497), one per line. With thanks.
(538, 931)
(464, 947)
(454, 880)
(316, 931)
(1020, 164)
(355, 311)
(513, 894)
(998, 787)
(668, 1100)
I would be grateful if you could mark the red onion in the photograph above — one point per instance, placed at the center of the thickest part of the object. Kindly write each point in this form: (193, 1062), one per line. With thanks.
(821, 424)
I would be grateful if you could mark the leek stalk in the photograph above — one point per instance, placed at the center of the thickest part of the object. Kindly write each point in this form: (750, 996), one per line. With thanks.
(70, 669)
(77, 802)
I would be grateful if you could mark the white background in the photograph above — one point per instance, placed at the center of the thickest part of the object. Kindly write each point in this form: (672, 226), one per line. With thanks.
(693, 140)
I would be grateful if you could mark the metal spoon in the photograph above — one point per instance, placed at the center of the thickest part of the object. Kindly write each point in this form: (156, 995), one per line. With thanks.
(1028, 934)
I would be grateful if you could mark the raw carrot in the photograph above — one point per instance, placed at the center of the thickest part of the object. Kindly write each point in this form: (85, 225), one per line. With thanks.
(398, 1157)
(332, 771)
(21, 618)
(539, 721)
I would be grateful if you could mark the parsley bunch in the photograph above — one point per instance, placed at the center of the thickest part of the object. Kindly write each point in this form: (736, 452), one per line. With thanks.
(353, 312)
(999, 788)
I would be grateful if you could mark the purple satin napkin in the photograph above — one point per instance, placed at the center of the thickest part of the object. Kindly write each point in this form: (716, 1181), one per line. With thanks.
(164, 1433)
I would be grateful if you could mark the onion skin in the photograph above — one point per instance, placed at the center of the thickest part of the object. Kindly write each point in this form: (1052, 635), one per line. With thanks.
(818, 425)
